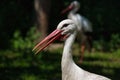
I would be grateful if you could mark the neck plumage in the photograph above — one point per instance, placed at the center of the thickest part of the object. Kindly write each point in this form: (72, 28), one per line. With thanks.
(67, 59)
(74, 10)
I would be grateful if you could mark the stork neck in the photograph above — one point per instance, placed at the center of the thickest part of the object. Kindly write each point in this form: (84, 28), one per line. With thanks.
(69, 42)
(67, 52)
(74, 10)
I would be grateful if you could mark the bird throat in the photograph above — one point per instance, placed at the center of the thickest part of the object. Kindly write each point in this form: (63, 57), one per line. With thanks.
(67, 59)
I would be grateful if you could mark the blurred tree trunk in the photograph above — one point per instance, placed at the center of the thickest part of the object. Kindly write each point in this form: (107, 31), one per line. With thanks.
(42, 9)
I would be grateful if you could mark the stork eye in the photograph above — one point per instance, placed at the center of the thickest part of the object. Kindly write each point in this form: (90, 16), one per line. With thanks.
(65, 25)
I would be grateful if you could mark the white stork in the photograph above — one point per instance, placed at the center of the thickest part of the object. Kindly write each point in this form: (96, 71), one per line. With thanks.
(66, 29)
(83, 24)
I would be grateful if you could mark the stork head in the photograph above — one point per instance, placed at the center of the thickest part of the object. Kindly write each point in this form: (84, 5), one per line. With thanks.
(64, 29)
(67, 27)
(74, 7)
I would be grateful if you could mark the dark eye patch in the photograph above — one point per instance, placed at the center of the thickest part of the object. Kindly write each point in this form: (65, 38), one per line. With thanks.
(65, 25)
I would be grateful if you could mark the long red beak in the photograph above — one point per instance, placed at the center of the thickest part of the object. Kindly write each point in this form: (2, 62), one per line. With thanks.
(67, 9)
(47, 41)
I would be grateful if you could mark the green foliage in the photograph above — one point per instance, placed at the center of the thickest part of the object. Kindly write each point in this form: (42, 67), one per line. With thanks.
(15, 66)
(29, 77)
(109, 45)
(101, 45)
(114, 42)
(18, 43)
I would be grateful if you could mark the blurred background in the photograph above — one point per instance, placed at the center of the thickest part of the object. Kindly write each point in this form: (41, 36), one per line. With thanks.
(25, 22)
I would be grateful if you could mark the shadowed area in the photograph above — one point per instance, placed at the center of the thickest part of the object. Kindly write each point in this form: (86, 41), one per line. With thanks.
(47, 65)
